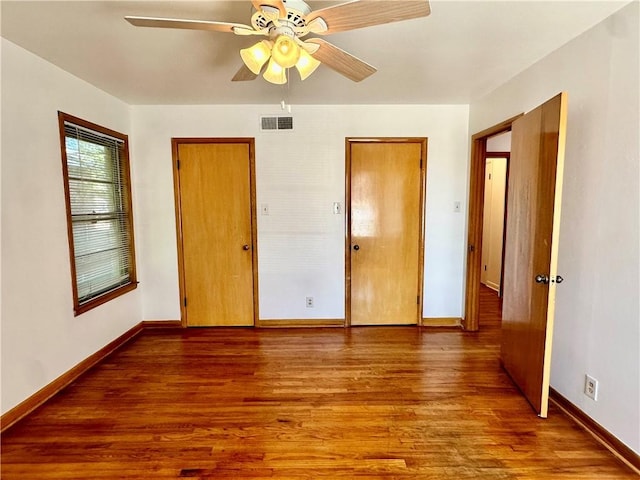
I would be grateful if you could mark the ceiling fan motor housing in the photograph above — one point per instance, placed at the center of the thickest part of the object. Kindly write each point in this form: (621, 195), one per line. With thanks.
(292, 26)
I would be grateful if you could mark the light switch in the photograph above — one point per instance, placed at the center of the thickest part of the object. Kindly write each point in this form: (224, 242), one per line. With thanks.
(456, 207)
(264, 208)
(337, 208)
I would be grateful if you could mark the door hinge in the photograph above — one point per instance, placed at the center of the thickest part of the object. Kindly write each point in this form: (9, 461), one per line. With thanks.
(185, 301)
(178, 164)
(471, 248)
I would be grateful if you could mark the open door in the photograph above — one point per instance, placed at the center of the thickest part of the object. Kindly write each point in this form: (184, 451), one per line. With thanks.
(530, 270)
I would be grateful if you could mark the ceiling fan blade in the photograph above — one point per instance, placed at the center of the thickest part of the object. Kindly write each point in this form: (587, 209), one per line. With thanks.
(342, 62)
(310, 48)
(250, 31)
(244, 74)
(366, 13)
(186, 24)
(278, 4)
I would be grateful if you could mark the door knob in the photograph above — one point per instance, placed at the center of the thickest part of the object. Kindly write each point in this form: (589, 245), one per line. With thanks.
(245, 247)
(542, 279)
(356, 247)
(559, 279)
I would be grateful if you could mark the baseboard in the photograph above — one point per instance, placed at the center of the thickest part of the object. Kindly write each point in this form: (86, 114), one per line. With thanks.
(301, 323)
(161, 324)
(619, 449)
(492, 286)
(45, 393)
(442, 322)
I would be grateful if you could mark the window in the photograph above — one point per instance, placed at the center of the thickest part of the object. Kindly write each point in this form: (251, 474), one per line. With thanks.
(95, 164)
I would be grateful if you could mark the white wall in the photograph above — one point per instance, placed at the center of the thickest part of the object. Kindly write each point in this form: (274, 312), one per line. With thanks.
(299, 175)
(41, 339)
(499, 143)
(597, 325)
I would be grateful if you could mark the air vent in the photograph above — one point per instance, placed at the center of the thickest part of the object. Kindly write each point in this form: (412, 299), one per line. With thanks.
(276, 123)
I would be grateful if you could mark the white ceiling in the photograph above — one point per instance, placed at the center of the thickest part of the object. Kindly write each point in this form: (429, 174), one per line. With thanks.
(462, 51)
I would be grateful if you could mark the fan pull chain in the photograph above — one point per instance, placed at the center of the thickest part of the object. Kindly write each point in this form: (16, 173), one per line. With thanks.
(285, 94)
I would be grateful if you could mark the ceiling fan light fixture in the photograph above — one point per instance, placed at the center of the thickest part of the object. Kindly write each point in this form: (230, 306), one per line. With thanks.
(306, 65)
(285, 22)
(256, 56)
(275, 73)
(285, 51)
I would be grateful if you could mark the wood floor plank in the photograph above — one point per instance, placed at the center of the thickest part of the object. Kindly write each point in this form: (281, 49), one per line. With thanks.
(365, 403)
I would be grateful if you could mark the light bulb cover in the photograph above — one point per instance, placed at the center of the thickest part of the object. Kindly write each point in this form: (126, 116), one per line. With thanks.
(275, 73)
(285, 51)
(306, 64)
(256, 56)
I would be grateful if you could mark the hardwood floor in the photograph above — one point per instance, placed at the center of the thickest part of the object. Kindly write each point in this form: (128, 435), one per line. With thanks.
(490, 310)
(365, 403)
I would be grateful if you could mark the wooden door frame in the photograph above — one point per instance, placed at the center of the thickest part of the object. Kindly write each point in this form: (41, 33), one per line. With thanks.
(250, 142)
(347, 218)
(475, 220)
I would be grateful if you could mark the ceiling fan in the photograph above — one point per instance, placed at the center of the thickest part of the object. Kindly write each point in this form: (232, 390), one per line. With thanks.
(285, 22)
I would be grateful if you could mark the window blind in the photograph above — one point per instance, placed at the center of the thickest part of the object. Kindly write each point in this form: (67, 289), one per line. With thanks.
(100, 216)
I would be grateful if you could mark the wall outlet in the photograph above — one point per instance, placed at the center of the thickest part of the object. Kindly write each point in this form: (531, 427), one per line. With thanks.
(591, 387)
(309, 301)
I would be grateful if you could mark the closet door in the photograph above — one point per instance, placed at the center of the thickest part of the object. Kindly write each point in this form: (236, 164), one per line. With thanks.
(216, 231)
(386, 184)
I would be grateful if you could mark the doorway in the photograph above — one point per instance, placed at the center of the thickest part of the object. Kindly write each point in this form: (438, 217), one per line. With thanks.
(531, 244)
(494, 229)
(214, 182)
(494, 214)
(479, 142)
(385, 186)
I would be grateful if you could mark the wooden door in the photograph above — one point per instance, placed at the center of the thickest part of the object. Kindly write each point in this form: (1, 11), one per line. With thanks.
(385, 231)
(530, 276)
(216, 211)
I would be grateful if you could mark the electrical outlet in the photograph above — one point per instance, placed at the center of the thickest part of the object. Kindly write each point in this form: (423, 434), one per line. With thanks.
(309, 301)
(591, 387)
